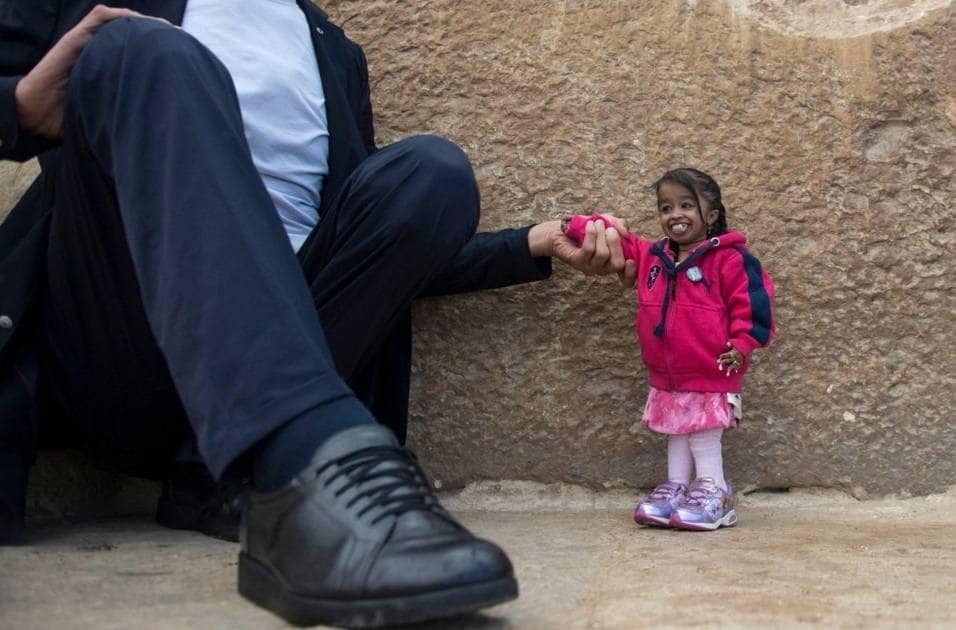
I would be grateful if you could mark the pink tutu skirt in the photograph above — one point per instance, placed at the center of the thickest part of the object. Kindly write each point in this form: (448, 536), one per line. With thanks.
(677, 413)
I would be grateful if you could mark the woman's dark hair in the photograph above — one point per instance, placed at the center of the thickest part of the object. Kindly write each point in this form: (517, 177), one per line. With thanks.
(702, 185)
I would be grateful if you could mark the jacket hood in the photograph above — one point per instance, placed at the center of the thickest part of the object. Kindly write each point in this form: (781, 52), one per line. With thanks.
(732, 239)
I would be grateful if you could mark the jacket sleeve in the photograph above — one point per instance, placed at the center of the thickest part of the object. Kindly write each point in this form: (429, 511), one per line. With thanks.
(26, 30)
(491, 260)
(748, 293)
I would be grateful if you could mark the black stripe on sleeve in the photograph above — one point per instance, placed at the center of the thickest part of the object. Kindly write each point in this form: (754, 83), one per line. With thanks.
(760, 313)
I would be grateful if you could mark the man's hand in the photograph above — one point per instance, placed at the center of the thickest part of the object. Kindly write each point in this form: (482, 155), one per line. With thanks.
(41, 93)
(600, 252)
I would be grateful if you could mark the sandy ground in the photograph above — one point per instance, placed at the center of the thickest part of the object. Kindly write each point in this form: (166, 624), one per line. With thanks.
(798, 559)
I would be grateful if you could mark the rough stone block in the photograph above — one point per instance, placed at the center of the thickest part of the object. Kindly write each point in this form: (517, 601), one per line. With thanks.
(831, 127)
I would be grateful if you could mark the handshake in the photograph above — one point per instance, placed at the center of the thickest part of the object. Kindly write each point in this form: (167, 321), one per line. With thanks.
(596, 246)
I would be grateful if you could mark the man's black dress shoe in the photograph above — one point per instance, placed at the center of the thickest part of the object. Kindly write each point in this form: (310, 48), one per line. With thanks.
(359, 540)
(192, 499)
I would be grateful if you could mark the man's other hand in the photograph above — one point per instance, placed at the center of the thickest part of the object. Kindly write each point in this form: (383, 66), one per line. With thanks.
(40, 94)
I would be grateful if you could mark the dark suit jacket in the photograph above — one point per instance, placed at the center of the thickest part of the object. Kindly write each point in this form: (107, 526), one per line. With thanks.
(28, 28)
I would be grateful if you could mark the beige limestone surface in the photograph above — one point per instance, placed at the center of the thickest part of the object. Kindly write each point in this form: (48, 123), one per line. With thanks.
(831, 127)
(802, 559)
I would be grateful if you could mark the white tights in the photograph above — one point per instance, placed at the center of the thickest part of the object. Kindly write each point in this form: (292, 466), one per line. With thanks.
(699, 450)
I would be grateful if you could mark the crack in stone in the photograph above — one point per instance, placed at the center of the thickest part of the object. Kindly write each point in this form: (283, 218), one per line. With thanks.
(831, 19)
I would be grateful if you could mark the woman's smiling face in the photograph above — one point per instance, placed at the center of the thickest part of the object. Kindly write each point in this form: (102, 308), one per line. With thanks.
(682, 219)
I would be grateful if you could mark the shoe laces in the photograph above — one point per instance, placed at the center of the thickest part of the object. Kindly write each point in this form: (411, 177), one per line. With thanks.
(403, 485)
(665, 491)
(698, 494)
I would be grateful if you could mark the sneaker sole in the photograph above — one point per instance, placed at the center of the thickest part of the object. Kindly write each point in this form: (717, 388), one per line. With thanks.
(258, 584)
(729, 520)
(651, 521)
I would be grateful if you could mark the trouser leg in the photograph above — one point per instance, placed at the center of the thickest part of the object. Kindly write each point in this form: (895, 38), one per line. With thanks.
(402, 216)
(383, 385)
(171, 279)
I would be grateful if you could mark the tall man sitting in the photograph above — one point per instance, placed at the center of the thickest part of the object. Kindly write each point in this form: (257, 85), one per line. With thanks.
(216, 248)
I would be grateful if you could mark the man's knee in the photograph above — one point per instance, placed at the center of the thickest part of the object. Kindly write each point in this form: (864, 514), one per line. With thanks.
(447, 166)
(143, 49)
(438, 153)
(443, 169)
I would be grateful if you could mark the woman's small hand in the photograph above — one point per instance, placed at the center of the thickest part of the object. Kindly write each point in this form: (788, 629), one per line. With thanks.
(628, 275)
(730, 361)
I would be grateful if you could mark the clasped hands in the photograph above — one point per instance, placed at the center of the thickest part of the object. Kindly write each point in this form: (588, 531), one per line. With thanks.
(600, 252)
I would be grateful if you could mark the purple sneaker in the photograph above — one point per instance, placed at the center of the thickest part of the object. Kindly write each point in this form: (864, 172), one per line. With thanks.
(657, 507)
(705, 507)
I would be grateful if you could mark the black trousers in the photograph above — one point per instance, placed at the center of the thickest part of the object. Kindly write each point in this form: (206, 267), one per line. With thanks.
(175, 303)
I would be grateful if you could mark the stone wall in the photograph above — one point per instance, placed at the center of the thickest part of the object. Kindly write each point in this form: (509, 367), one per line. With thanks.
(831, 127)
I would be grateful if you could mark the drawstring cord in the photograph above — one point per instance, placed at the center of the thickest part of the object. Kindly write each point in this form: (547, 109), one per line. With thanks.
(671, 269)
